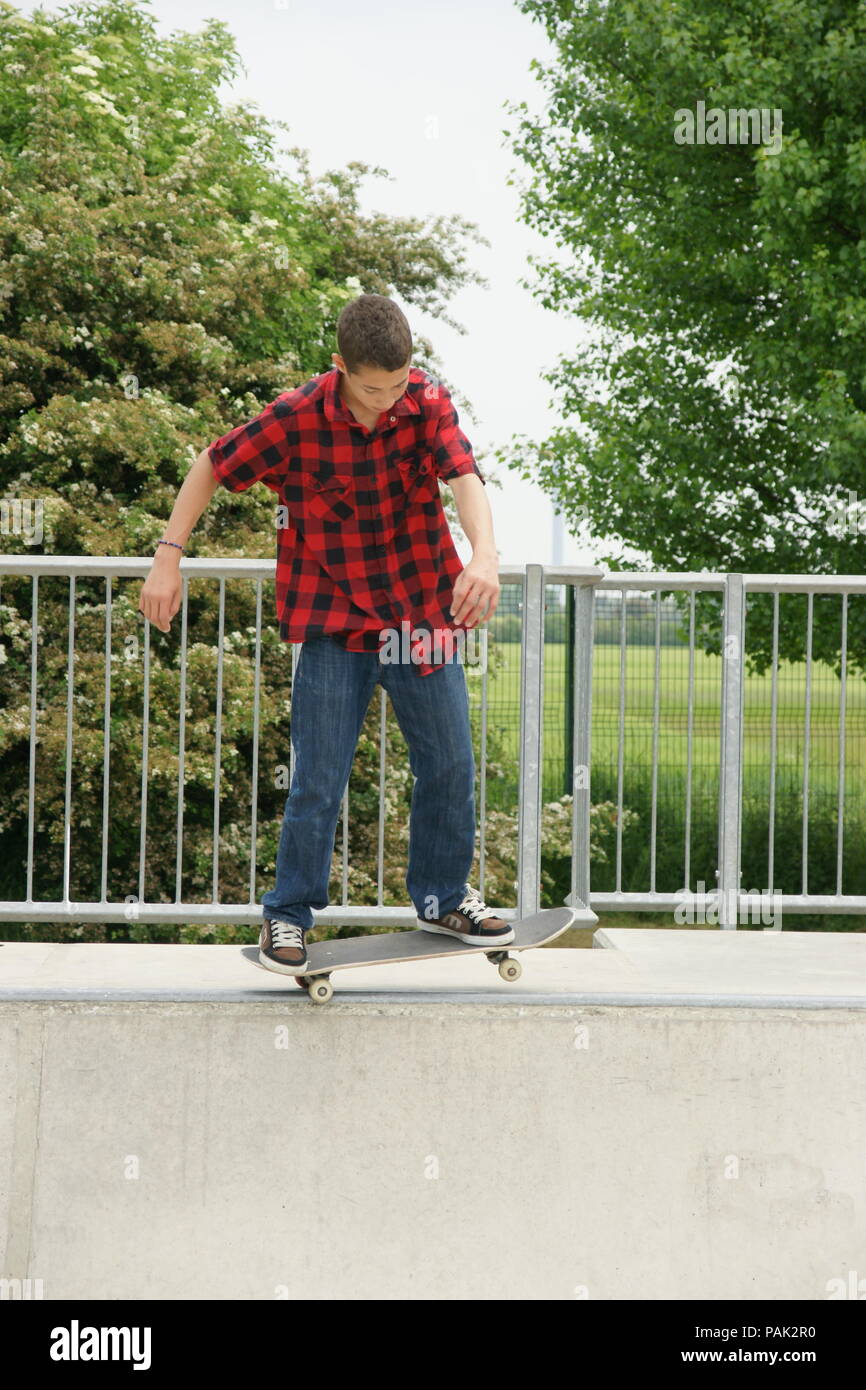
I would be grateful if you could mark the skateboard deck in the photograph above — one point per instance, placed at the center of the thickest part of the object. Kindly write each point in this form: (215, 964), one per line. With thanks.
(390, 948)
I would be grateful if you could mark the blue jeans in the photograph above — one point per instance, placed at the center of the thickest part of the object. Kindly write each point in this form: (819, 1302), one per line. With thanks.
(331, 694)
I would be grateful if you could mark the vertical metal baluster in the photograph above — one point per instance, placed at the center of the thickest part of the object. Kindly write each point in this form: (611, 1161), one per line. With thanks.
(584, 624)
(254, 796)
(345, 871)
(106, 740)
(181, 740)
(774, 699)
(482, 810)
(654, 799)
(730, 798)
(145, 741)
(531, 735)
(619, 767)
(806, 742)
(840, 822)
(70, 680)
(218, 744)
(380, 851)
(296, 651)
(31, 788)
(740, 764)
(689, 744)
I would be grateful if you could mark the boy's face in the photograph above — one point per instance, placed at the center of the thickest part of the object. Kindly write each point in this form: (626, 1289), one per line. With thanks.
(371, 388)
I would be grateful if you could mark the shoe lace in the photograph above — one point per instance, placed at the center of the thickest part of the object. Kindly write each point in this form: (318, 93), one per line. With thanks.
(475, 907)
(286, 933)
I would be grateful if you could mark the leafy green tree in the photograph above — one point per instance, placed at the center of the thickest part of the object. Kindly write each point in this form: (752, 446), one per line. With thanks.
(716, 418)
(165, 272)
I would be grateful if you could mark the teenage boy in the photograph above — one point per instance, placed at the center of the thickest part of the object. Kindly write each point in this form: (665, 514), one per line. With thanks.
(365, 557)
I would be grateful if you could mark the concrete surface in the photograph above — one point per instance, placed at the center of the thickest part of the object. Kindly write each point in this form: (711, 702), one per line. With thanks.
(639, 966)
(679, 1115)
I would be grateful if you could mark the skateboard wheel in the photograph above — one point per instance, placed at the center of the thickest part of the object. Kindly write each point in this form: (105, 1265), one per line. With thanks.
(510, 969)
(302, 981)
(320, 991)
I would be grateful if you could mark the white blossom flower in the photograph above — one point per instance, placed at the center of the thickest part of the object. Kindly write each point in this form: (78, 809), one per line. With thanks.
(103, 103)
(86, 56)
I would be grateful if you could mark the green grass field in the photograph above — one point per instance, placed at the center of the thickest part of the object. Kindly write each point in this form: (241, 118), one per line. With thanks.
(787, 837)
(504, 701)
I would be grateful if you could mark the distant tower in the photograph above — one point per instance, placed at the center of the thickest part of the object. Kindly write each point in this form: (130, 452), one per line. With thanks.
(558, 538)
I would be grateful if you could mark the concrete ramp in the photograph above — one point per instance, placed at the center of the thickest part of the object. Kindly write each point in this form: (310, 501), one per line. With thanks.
(677, 1115)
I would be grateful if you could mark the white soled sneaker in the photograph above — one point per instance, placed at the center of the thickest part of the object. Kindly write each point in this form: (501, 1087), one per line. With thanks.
(281, 947)
(473, 922)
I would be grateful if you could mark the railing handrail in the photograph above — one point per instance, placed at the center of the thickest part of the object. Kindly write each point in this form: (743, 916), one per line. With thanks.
(133, 566)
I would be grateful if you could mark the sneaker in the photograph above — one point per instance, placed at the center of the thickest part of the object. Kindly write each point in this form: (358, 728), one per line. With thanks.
(281, 947)
(473, 922)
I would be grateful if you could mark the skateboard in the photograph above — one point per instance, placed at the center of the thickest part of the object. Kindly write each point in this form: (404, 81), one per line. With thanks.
(391, 948)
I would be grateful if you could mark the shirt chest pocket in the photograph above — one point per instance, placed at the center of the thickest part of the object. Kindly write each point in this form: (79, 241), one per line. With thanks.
(418, 475)
(329, 498)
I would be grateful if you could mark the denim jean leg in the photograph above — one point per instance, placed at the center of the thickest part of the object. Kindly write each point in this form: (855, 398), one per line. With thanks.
(433, 714)
(331, 692)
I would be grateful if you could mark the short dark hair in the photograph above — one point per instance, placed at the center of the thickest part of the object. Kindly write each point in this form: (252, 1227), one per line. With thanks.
(372, 331)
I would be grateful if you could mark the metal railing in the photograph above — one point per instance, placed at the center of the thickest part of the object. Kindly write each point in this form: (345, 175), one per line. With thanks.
(728, 895)
(728, 898)
(136, 907)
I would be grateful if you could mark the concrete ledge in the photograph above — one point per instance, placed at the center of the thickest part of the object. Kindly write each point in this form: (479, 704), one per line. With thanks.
(712, 968)
(645, 1121)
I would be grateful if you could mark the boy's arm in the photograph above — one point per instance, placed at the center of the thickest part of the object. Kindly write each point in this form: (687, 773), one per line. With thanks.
(477, 584)
(256, 451)
(161, 592)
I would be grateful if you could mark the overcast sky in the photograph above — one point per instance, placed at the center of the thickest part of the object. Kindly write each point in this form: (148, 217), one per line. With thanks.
(419, 89)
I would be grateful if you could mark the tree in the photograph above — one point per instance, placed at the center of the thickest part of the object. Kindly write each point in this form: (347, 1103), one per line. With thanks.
(720, 405)
(163, 276)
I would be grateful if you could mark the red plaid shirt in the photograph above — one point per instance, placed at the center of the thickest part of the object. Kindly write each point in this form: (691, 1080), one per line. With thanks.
(363, 542)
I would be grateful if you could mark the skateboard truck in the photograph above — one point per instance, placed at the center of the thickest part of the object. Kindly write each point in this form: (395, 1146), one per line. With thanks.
(320, 989)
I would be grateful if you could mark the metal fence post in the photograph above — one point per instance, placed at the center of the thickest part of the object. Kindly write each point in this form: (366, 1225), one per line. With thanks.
(731, 751)
(568, 702)
(531, 728)
(584, 622)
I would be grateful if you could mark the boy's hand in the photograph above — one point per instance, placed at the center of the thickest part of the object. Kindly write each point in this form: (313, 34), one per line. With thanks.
(161, 594)
(476, 588)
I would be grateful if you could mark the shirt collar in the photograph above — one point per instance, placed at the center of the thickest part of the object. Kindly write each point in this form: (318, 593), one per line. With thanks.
(336, 409)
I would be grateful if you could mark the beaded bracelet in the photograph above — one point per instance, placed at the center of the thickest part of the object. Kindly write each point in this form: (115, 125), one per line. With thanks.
(174, 543)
